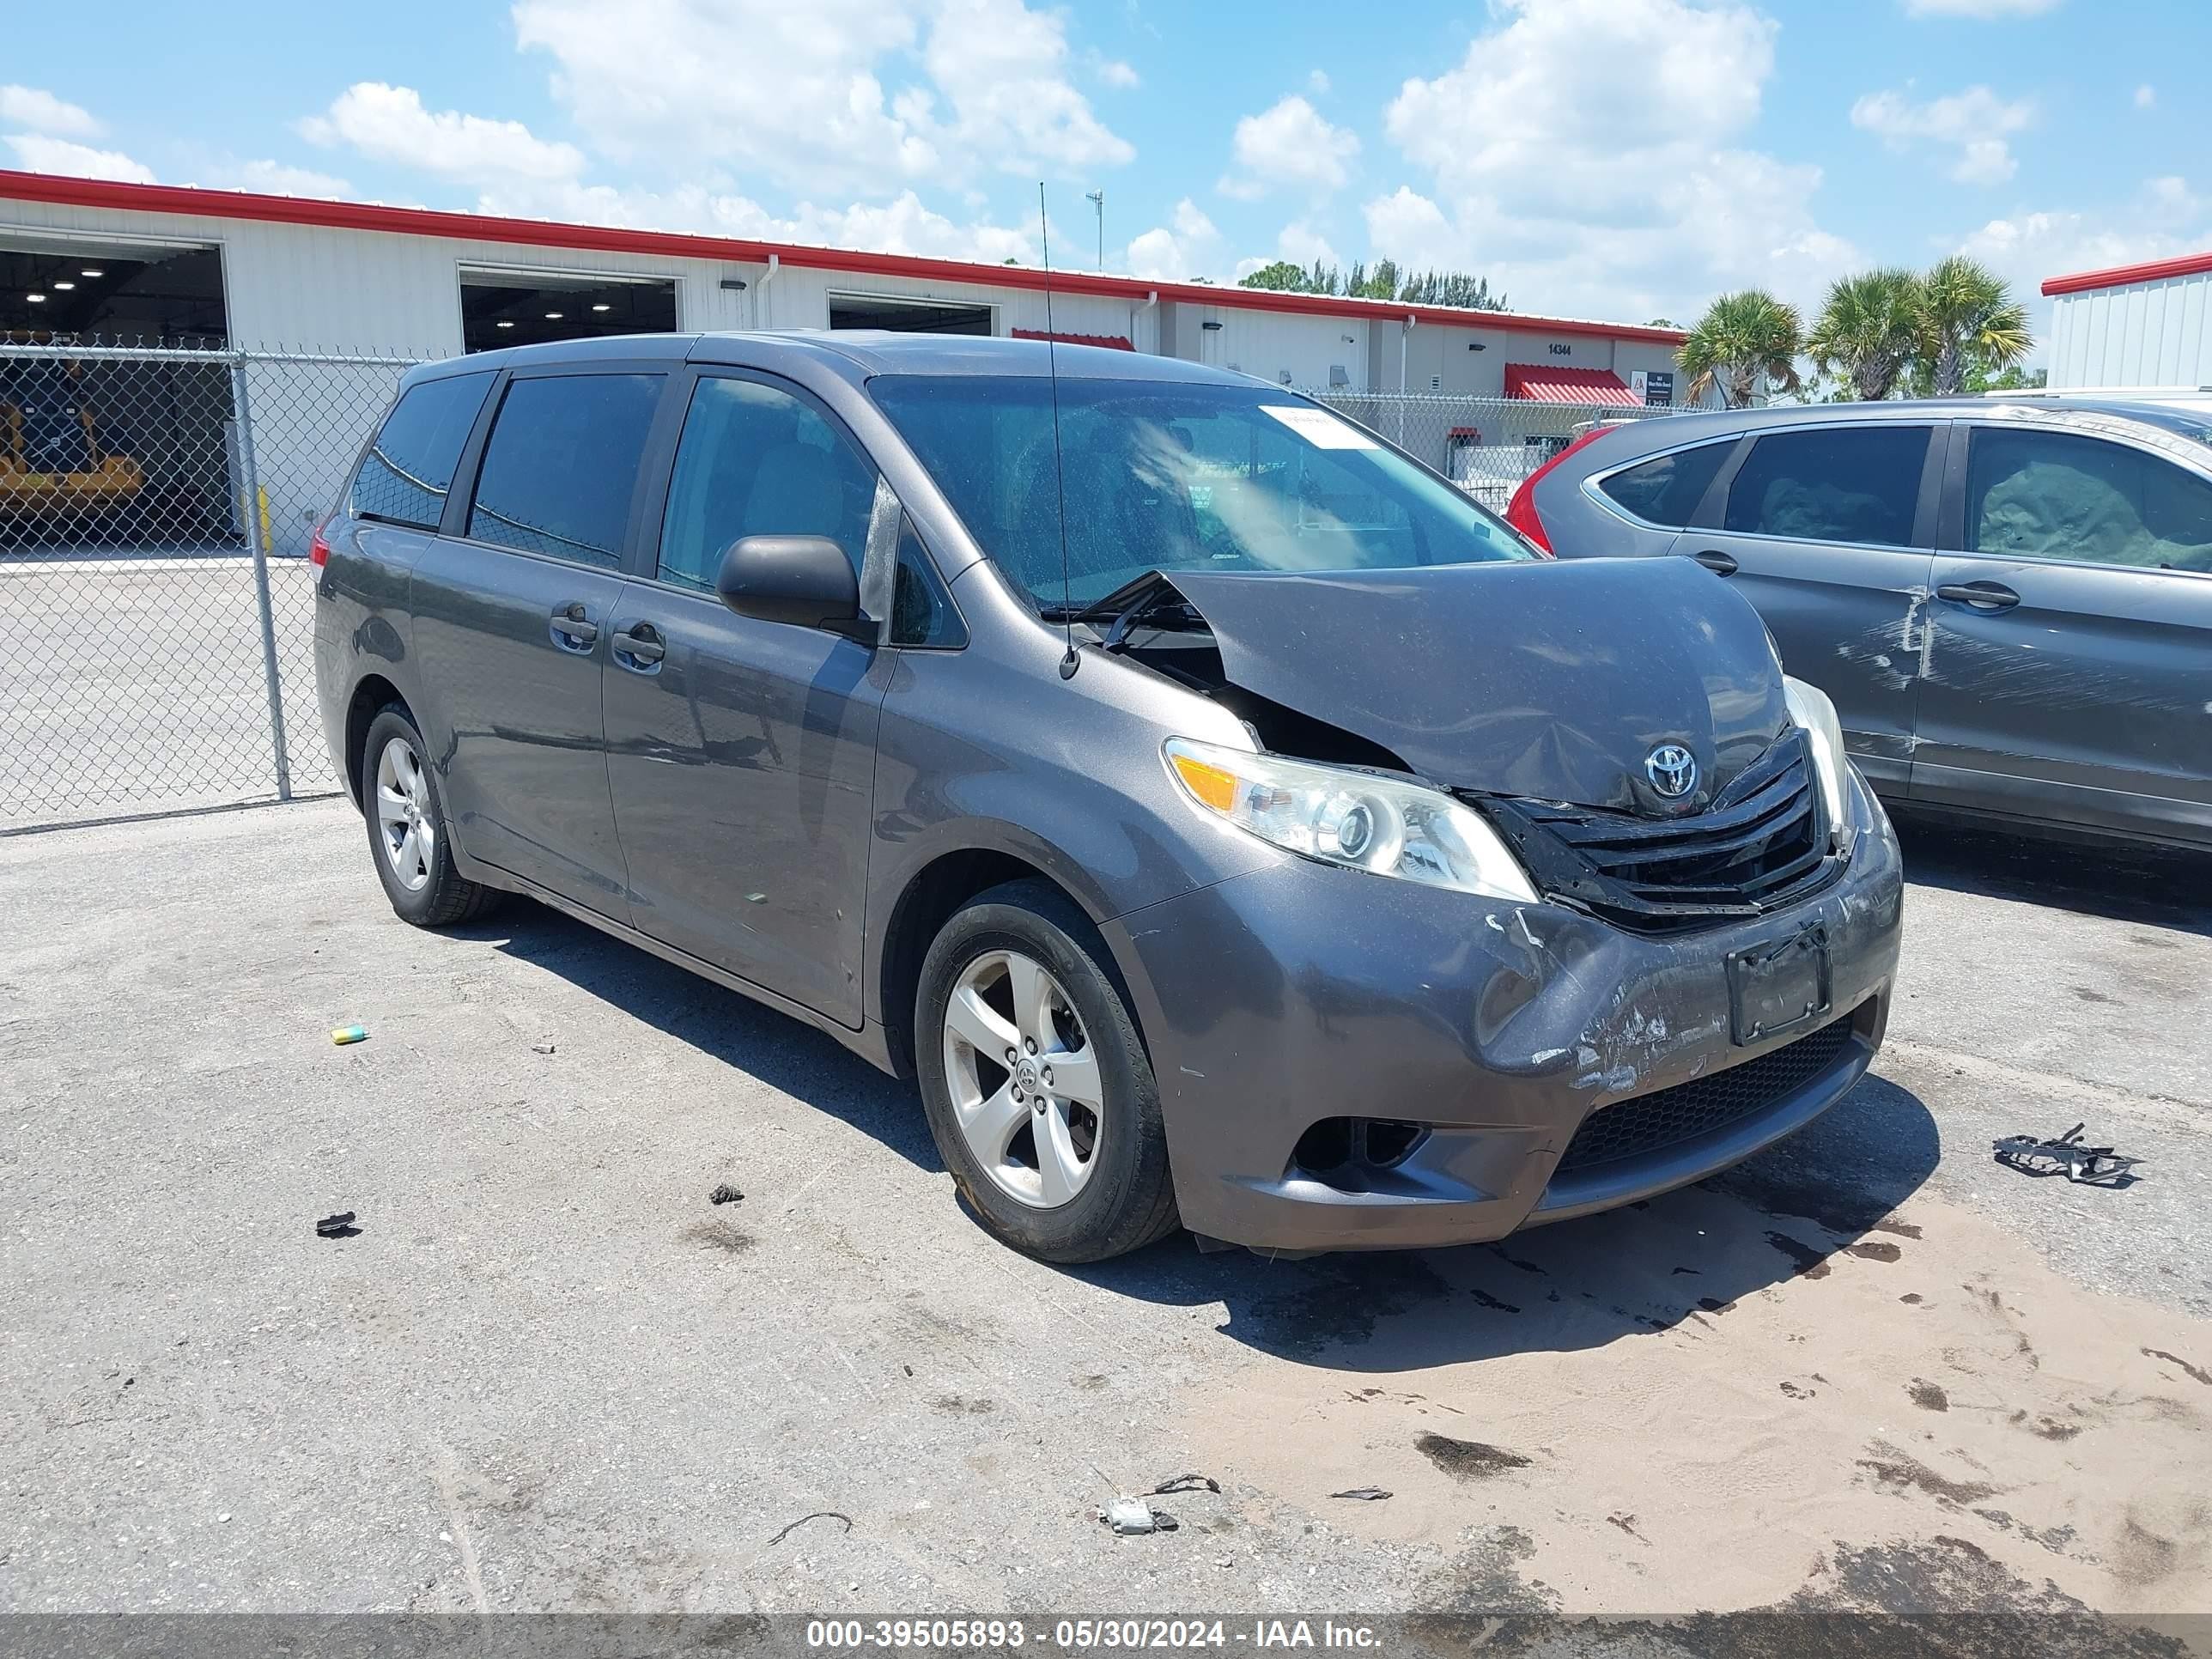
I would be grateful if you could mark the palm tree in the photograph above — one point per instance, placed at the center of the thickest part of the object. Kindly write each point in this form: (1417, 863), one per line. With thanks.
(1867, 330)
(1742, 341)
(1968, 319)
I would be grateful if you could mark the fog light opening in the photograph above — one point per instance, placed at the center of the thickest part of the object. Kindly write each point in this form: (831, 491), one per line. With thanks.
(1338, 1151)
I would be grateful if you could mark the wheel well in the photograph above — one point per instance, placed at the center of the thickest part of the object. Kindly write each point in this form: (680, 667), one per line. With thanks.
(930, 899)
(374, 693)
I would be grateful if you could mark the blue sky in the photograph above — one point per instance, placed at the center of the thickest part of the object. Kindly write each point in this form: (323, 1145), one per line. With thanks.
(1622, 159)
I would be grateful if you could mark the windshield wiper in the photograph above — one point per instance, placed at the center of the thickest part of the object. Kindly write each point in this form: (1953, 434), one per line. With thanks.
(1151, 597)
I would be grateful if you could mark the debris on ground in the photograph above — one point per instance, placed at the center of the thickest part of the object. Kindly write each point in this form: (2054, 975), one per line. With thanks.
(343, 1034)
(1365, 1494)
(2066, 1154)
(336, 1226)
(541, 1048)
(725, 1193)
(1186, 1483)
(1131, 1516)
(818, 1514)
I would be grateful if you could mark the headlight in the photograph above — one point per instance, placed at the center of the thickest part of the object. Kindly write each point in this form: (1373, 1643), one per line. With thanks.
(1353, 819)
(1824, 735)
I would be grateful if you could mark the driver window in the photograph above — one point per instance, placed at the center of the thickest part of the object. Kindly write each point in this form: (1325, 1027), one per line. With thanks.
(756, 461)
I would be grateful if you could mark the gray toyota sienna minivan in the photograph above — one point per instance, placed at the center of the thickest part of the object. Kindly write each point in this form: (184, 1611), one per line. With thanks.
(1226, 821)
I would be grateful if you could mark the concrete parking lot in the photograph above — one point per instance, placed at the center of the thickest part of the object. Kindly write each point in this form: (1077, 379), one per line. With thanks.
(1869, 1369)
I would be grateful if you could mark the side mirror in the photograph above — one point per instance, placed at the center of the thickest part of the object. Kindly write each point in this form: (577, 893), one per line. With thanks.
(805, 580)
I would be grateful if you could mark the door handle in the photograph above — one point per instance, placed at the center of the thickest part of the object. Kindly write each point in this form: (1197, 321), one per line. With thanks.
(572, 629)
(1716, 561)
(639, 647)
(1983, 596)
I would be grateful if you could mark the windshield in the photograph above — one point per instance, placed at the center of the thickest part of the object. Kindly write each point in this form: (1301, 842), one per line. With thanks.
(1165, 476)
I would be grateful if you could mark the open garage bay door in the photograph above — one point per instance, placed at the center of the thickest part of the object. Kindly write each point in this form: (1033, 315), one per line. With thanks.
(908, 316)
(503, 307)
(106, 292)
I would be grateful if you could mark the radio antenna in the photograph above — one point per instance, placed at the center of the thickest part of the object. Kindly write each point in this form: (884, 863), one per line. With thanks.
(1069, 663)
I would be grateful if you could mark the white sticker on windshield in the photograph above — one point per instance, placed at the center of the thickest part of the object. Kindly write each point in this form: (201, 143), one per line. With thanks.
(1319, 428)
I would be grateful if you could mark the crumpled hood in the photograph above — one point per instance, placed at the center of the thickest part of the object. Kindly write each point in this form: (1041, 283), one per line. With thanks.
(1543, 679)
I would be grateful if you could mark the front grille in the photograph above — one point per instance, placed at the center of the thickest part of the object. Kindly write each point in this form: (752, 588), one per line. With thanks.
(1763, 843)
(1655, 1121)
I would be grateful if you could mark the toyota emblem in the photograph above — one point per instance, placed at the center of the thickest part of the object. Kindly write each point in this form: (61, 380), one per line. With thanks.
(1673, 770)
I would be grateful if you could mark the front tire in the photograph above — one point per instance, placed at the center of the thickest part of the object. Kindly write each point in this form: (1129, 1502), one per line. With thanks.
(409, 838)
(1038, 1088)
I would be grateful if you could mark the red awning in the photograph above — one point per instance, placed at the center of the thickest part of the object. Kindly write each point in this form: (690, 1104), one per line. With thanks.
(1112, 342)
(1540, 383)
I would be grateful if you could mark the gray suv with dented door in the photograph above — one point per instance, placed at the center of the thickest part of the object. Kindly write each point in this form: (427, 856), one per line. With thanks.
(2009, 603)
(1226, 820)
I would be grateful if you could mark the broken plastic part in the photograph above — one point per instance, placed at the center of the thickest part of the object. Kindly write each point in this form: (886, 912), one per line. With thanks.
(1365, 1494)
(2066, 1154)
(336, 1226)
(1131, 1516)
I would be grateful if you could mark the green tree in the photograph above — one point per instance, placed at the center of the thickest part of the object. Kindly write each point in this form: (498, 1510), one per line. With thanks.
(1867, 331)
(1745, 344)
(1282, 276)
(1968, 320)
(1450, 288)
(1378, 281)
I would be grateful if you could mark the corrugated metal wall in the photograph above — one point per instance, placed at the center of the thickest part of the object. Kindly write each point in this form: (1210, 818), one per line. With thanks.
(306, 288)
(2139, 334)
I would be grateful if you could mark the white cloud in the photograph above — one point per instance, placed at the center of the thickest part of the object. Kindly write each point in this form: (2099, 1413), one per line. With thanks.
(1302, 245)
(37, 153)
(1974, 124)
(902, 225)
(1984, 10)
(1581, 156)
(39, 111)
(2146, 96)
(2025, 248)
(795, 95)
(390, 124)
(1113, 72)
(1004, 69)
(1188, 245)
(280, 179)
(1290, 143)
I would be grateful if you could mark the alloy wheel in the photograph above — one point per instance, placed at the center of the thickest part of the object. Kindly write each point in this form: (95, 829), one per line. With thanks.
(406, 824)
(1023, 1079)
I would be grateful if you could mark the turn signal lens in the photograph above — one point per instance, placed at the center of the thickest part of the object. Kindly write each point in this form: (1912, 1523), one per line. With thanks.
(1212, 786)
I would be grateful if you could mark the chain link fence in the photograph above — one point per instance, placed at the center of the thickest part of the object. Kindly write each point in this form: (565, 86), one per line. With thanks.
(1486, 446)
(156, 604)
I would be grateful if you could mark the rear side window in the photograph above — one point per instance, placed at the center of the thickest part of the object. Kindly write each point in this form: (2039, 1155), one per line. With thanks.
(409, 470)
(754, 461)
(560, 465)
(1858, 484)
(1666, 488)
(2052, 495)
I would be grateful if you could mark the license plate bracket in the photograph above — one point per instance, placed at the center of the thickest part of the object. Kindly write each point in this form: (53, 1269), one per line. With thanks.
(1777, 985)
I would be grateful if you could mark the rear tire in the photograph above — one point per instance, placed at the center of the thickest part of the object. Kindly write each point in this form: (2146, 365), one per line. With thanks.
(1066, 1164)
(408, 839)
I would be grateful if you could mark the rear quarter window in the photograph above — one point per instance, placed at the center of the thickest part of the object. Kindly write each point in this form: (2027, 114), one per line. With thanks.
(409, 470)
(1854, 485)
(1666, 488)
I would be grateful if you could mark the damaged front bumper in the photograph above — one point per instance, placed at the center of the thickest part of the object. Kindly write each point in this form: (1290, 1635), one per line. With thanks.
(1466, 1041)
